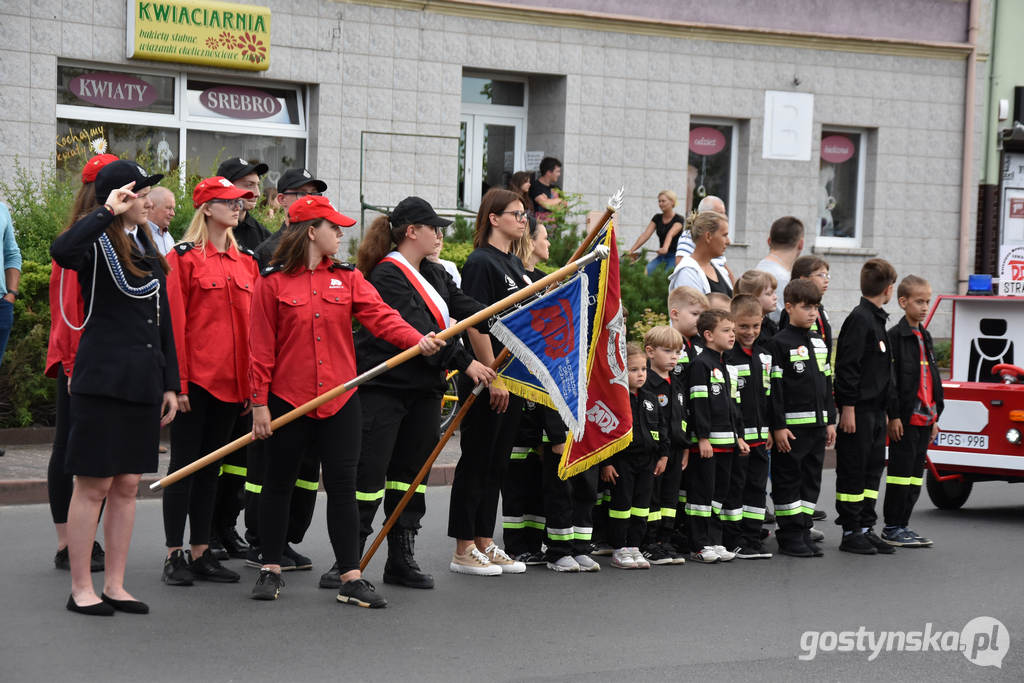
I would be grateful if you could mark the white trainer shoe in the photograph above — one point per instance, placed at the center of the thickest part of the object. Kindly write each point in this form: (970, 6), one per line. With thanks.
(639, 559)
(587, 563)
(723, 554)
(623, 559)
(566, 563)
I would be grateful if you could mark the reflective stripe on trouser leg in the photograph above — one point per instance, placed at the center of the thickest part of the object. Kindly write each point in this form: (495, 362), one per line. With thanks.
(905, 472)
(796, 481)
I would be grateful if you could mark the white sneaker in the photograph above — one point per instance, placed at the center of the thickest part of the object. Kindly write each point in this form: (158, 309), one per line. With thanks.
(499, 557)
(639, 559)
(587, 564)
(566, 563)
(707, 555)
(473, 562)
(623, 559)
(723, 554)
(816, 535)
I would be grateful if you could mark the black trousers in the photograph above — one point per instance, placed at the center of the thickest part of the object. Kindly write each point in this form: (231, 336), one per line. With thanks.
(303, 500)
(522, 501)
(486, 440)
(333, 443)
(399, 432)
(631, 499)
(230, 498)
(905, 475)
(754, 496)
(661, 522)
(860, 459)
(707, 487)
(568, 509)
(731, 514)
(59, 484)
(205, 428)
(796, 482)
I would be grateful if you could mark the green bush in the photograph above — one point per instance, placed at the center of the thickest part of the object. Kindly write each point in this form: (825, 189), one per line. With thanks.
(457, 252)
(942, 352)
(26, 396)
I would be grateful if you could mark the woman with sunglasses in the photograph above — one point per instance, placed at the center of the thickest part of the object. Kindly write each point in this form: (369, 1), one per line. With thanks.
(401, 407)
(210, 289)
(491, 273)
(301, 345)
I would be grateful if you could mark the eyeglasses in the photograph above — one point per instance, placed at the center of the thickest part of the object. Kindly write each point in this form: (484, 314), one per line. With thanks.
(230, 203)
(823, 276)
(518, 215)
(300, 194)
(439, 231)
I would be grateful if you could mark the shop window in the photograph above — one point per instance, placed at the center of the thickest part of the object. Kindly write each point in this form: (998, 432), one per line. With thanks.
(114, 90)
(207, 148)
(711, 167)
(78, 141)
(841, 187)
(206, 99)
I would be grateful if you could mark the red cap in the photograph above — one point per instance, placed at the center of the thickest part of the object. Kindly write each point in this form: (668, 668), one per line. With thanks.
(312, 207)
(217, 188)
(93, 166)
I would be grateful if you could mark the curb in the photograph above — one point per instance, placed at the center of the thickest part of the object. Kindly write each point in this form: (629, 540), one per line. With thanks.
(33, 491)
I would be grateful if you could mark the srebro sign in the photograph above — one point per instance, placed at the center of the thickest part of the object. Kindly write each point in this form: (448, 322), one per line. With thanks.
(220, 34)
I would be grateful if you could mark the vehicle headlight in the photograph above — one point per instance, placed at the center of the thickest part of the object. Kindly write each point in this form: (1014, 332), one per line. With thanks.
(1013, 436)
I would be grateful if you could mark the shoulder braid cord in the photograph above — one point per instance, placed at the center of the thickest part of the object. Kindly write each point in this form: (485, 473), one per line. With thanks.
(150, 289)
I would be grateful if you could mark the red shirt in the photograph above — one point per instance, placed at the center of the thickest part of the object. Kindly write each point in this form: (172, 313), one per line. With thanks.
(63, 341)
(301, 339)
(210, 295)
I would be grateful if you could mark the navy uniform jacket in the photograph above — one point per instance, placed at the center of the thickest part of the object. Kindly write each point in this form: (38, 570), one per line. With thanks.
(127, 348)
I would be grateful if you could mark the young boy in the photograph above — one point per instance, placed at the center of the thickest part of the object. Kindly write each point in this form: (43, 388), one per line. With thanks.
(814, 269)
(663, 344)
(915, 403)
(863, 369)
(802, 418)
(749, 362)
(631, 471)
(715, 425)
(685, 304)
(763, 287)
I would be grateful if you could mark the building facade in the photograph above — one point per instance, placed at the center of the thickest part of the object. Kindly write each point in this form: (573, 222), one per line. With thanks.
(852, 121)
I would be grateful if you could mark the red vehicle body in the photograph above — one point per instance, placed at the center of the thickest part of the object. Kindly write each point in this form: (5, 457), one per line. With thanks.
(980, 429)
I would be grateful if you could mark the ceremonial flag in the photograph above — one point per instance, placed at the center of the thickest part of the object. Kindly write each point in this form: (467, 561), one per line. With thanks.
(548, 340)
(608, 423)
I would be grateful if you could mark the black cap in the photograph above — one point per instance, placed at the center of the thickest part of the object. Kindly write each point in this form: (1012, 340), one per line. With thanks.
(297, 177)
(237, 167)
(416, 211)
(121, 172)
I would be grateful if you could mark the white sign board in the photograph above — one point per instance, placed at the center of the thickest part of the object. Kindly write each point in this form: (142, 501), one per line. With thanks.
(1013, 215)
(788, 125)
(1011, 270)
(533, 160)
(986, 332)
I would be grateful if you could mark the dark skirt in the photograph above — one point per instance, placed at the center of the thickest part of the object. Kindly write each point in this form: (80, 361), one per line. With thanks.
(109, 436)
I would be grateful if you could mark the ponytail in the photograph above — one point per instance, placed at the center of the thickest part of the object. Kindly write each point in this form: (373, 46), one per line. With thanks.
(377, 242)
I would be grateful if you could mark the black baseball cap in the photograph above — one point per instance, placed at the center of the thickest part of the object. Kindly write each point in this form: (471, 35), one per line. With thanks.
(121, 172)
(297, 177)
(237, 167)
(416, 211)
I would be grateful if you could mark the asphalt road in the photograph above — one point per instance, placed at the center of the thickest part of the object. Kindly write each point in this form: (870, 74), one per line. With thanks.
(744, 620)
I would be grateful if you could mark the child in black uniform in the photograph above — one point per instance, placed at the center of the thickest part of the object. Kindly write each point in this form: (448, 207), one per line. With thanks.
(666, 380)
(915, 403)
(631, 471)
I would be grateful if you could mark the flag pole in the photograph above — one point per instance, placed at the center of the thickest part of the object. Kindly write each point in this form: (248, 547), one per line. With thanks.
(614, 203)
(389, 364)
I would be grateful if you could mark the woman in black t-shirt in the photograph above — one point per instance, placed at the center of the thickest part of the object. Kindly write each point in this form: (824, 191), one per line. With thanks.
(668, 225)
(491, 273)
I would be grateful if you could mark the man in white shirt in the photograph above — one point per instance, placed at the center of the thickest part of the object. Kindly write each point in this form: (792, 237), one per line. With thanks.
(160, 218)
(785, 242)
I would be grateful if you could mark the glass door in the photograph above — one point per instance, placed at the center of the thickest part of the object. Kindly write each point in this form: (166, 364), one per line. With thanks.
(494, 149)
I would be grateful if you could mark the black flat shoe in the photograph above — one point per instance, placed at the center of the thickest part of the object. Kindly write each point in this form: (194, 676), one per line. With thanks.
(100, 609)
(129, 606)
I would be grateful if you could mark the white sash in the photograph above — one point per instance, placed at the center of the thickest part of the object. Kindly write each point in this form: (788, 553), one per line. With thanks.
(434, 295)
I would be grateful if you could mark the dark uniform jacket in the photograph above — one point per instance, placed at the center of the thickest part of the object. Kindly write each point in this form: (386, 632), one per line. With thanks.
(422, 373)
(906, 371)
(264, 250)
(752, 369)
(862, 359)
(714, 402)
(801, 380)
(671, 400)
(127, 348)
(650, 433)
(250, 233)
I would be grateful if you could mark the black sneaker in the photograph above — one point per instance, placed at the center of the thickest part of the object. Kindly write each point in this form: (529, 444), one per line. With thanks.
(206, 567)
(268, 585)
(795, 549)
(362, 593)
(655, 554)
(254, 559)
(177, 571)
(296, 560)
(98, 559)
(331, 578)
(857, 543)
(531, 558)
(217, 548)
(673, 552)
(752, 553)
(234, 544)
(602, 549)
(881, 546)
(819, 516)
(61, 560)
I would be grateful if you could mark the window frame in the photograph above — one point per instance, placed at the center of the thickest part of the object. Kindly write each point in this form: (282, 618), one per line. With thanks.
(734, 124)
(855, 242)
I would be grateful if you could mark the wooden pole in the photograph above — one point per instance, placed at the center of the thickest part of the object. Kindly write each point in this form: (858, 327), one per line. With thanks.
(389, 364)
(613, 204)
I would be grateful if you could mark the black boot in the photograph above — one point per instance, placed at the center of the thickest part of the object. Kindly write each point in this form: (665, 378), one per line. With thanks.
(401, 567)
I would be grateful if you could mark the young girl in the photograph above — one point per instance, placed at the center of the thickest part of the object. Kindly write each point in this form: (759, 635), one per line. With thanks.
(301, 346)
(210, 290)
(491, 273)
(125, 378)
(762, 286)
